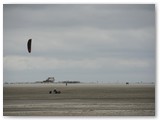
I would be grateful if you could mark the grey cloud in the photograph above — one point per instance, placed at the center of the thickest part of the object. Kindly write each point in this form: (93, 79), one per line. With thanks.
(52, 16)
(105, 40)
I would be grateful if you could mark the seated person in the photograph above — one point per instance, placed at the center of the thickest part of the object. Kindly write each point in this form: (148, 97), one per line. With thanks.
(56, 92)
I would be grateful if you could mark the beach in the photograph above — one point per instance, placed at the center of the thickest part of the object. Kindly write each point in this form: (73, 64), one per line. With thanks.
(79, 100)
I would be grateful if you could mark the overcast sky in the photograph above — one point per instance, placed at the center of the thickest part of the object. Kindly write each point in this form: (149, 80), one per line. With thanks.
(88, 43)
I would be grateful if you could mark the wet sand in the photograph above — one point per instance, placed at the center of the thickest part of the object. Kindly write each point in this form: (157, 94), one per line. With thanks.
(78, 100)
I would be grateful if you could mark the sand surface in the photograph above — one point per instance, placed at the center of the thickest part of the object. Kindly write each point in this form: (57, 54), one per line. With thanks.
(78, 100)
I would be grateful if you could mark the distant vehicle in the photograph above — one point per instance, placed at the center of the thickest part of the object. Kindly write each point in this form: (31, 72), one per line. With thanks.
(55, 92)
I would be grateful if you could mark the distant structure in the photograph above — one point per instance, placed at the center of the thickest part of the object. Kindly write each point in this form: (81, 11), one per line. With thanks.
(70, 82)
(127, 83)
(49, 80)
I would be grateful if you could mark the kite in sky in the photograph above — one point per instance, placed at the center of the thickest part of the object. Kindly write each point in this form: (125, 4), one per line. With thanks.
(29, 45)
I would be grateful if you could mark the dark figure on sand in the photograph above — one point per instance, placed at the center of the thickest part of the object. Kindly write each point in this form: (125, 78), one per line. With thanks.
(56, 92)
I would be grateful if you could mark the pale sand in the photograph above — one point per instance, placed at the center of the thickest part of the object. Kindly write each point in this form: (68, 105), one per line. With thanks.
(79, 100)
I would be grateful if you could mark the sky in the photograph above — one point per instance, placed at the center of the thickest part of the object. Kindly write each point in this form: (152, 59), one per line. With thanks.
(105, 43)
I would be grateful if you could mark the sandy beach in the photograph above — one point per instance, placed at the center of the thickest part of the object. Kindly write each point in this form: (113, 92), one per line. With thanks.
(78, 100)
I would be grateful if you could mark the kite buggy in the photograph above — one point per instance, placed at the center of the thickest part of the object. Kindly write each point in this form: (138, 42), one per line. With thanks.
(55, 92)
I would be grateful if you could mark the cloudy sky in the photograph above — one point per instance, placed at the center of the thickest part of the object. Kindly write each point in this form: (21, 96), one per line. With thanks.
(88, 43)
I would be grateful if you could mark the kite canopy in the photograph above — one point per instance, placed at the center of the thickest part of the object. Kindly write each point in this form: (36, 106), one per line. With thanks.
(29, 45)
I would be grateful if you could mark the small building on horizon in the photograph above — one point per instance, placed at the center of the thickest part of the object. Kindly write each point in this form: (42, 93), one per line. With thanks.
(49, 80)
